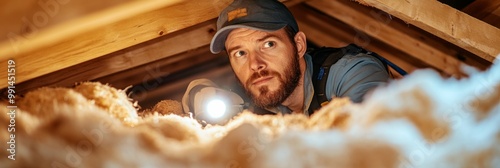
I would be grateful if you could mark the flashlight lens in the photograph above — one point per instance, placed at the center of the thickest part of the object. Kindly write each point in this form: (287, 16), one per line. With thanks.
(216, 108)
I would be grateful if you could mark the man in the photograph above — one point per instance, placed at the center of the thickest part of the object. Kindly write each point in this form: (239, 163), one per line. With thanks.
(267, 53)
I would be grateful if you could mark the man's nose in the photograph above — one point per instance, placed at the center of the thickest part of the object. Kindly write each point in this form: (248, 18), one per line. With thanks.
(256, 62)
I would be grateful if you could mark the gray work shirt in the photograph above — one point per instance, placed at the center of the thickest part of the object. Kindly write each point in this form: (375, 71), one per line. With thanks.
(351, 76)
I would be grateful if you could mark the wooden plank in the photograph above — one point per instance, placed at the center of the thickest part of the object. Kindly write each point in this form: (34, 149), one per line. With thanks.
(326, 31)
(485, 10)
(103, 33)
(167, 45)
(82, 39)
(157, 51)
(89, 37)
(25, 18)
(386, 30)
(445, 22)
(481, 8)
(493, 18)
(154, 73)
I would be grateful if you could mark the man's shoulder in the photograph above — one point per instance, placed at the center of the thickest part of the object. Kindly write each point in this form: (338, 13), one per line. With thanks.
(341, 56)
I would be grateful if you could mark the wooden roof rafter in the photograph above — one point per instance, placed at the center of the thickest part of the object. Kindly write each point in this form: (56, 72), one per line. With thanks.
(482, 8)
(379, 26)
(485, 10)
(84, 38)
(447, 23)
(100, 33)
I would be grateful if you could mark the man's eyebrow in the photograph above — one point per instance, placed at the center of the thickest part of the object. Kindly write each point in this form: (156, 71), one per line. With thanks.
(258, 40)
(233, 48)
(268, 36)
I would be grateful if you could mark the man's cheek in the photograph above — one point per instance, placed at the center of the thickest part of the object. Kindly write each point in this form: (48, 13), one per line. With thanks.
(240, 79)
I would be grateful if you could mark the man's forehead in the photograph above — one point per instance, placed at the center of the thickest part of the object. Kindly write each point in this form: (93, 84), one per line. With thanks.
(252, 34)
(247, 32)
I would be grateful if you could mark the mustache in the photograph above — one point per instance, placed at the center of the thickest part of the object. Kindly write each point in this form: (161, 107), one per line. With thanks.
(260, 74)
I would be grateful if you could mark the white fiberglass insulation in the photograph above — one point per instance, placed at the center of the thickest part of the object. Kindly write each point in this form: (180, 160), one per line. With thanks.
(422, 120)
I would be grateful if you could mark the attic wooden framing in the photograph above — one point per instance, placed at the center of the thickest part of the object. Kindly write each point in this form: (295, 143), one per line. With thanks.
(375, 25)
(118, 44)
(443, 21)
(144, 57)
(485, 10)
(102, 33)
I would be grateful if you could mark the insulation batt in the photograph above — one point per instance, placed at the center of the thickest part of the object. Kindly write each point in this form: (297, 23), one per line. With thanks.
(422, 120)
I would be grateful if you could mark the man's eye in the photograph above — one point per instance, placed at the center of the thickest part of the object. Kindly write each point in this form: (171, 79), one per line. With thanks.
(269, 44)
(239, 53)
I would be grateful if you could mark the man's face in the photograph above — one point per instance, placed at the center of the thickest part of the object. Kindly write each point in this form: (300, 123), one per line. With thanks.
(265, 63)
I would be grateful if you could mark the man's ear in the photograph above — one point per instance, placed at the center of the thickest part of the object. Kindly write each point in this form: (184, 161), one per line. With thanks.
(300, 42)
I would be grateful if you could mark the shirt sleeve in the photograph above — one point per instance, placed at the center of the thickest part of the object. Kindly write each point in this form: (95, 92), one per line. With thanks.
(355, 75)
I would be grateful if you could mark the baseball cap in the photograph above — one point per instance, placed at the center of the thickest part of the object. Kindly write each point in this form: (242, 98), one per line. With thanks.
(263, 15)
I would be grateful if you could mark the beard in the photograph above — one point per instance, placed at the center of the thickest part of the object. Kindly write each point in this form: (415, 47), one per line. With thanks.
(288, 81)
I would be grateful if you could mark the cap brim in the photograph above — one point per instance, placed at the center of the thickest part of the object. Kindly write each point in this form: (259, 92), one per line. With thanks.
(219, 39)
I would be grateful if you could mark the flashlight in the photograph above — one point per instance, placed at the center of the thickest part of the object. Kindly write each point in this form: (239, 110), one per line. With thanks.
(210, 104)
(216, 108)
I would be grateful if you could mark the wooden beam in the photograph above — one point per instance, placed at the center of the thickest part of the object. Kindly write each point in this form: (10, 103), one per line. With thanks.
(89, 37)
(169, 44)
(326, 31)
(485, 10)
(493, 18)
(158, 51)
(481, 8)
(445, 22)
(104, 32)
(26, 18)
(156, 72)
(373, 23)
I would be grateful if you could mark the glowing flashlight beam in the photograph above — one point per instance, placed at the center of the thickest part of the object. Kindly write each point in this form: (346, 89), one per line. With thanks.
(216, 108)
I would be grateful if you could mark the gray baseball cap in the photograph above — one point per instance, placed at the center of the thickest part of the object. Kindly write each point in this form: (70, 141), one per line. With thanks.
(264, 15)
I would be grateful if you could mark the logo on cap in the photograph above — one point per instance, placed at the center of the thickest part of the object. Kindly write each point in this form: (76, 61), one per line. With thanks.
(237, 13)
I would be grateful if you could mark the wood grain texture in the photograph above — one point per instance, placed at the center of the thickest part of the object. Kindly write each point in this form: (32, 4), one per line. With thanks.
(481, 8)
(493, 18)
(326, 31)
(97, 34)
(154, 73)
(161, 51)
(485, 10)
(445, 22)
(101, 33)
(169, 28)
(28, 17)
(379, 25)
